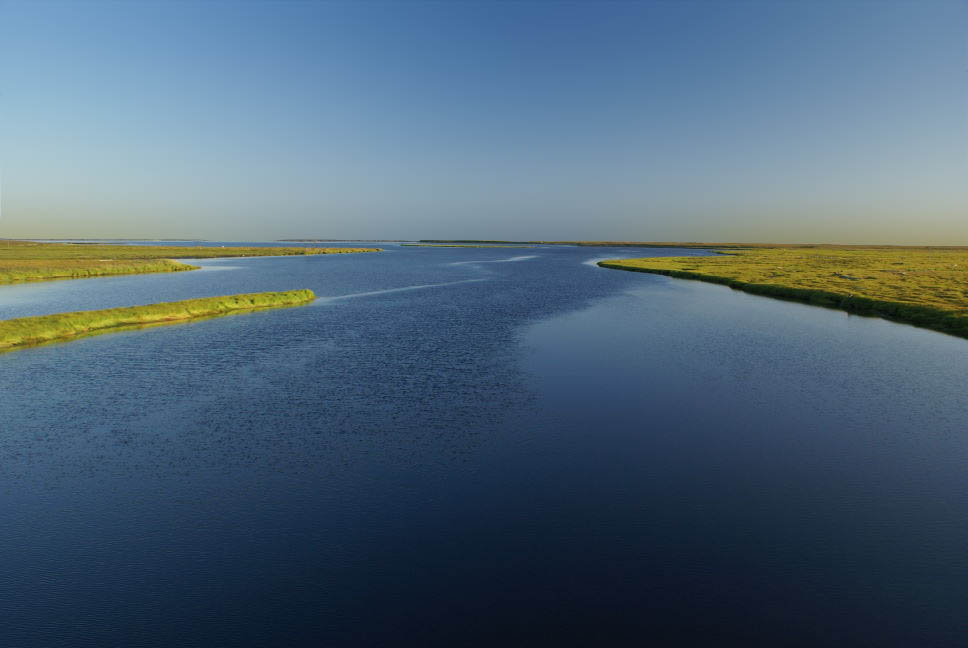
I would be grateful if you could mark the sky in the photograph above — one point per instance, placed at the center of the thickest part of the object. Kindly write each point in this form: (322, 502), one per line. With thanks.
(836, 121)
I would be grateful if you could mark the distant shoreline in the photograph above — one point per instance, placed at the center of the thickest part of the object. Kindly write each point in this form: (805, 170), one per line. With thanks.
(466, 245)
(709, 246)
(342, 240)
(24, 261)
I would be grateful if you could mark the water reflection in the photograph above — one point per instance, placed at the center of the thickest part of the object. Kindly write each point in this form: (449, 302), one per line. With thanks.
(530, 453)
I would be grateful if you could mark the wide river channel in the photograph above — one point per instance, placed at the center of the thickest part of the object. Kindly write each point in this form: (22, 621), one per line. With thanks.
(472, 446)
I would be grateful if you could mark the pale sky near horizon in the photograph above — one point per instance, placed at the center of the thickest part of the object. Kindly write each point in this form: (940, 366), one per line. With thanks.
(777, 121)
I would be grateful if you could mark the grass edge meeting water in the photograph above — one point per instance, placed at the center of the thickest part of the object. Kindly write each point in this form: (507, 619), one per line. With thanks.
(22, 261)
(41, 329)
(926, 287)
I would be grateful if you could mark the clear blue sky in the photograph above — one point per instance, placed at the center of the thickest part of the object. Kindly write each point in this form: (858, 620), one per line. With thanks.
(839, 121)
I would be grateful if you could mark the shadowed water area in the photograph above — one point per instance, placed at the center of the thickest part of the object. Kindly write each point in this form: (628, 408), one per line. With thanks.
(462, 446)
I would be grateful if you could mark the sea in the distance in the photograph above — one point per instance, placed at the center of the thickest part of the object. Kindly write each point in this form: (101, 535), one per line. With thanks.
(473, 446)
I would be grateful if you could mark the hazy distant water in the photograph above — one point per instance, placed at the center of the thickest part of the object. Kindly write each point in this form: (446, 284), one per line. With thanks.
(501, 447)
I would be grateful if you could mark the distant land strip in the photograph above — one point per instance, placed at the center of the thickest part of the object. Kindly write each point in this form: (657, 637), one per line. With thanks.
(465, 245)
(710, 246)
(31, 331)
(30, 261)
(754, 246)
(337, 240)
(926, 287)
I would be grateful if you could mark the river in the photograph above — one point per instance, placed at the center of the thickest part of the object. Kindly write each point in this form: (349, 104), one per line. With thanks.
(475, 446)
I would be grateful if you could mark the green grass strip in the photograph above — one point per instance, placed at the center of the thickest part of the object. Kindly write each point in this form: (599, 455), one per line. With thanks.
(21, 270)
(27, 331)
(29, 261)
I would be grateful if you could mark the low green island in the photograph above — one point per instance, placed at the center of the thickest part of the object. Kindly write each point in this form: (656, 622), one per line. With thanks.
(923, 286)
(33, 261)
(30, 331)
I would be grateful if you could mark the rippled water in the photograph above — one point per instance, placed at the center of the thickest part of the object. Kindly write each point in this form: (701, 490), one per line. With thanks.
(480, 446)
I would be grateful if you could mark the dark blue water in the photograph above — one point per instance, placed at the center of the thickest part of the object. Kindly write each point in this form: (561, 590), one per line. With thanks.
(465, 446)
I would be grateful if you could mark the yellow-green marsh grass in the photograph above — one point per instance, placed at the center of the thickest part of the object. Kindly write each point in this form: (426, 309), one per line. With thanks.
(29, 331)
(29, 261)
(18, 270)
(927, 287)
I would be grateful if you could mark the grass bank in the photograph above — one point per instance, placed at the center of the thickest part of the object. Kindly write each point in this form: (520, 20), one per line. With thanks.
(29, 261)
(18, 270)
(749, 246)
(26, 331)
(927, 287)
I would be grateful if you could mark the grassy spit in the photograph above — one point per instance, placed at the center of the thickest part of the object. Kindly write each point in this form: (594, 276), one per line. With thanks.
(927, 287)
(18, 270)
(27, 331)
(28, 261)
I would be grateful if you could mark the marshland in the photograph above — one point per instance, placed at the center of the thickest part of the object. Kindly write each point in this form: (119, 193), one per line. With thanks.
(40, 329)
(458, 411)
(649, 351)
(37, 260)
(922, 286)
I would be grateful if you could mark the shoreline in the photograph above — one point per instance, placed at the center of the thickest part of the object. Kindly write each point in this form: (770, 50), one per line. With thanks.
(464, 245)
(926, 317)
(11, 274)
(710, 246)
(25, 332)
(22, 261)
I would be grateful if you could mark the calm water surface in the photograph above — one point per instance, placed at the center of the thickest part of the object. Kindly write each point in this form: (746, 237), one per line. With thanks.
(465, 446)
